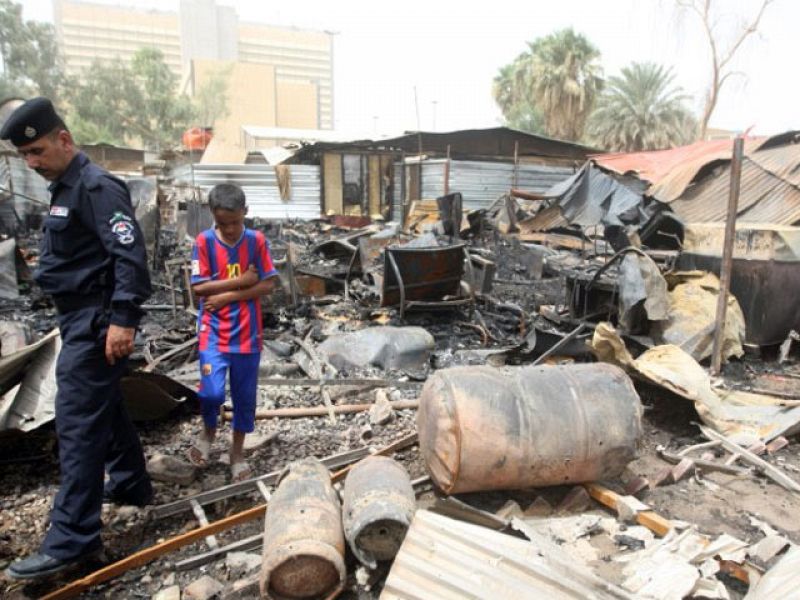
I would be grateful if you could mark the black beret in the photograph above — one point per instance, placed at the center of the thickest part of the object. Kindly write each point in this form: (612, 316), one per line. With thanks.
(34, 119)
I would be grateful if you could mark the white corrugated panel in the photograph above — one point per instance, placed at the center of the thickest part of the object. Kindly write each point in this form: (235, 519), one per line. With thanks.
(447, 559)
(30, 187)
(481, 183)
(261, 188)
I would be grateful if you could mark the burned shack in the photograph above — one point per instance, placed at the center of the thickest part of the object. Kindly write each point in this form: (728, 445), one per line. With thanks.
(381, 178)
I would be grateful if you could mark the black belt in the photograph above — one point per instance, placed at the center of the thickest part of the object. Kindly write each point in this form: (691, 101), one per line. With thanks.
(66, 303)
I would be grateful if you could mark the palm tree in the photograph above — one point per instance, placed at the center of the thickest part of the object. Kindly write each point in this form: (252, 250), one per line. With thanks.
(642, 110)
(565, 79)
(510, 89)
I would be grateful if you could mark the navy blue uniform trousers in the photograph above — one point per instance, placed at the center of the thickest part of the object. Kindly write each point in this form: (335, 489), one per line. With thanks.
(95, 434)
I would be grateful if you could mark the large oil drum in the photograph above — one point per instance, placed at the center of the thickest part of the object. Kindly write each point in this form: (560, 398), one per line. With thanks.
(303, 554)
(487, 428)
(377, 508)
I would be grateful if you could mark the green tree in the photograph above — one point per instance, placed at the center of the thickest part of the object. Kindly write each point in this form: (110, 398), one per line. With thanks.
(211, 98)
(163, 115)
(104, 103)
(642, 109)
(565, 78)
(551, 87)
(31, 64)
(118, 104)
(510, 91)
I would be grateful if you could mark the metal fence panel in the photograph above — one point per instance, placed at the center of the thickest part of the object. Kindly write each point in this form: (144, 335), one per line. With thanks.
(480, 183)
(260, 185)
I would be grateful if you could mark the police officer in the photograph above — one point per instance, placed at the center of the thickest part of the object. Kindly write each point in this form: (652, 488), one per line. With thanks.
(93, 264)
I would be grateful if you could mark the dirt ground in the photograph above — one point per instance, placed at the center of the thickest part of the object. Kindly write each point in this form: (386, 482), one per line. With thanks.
(716, 503)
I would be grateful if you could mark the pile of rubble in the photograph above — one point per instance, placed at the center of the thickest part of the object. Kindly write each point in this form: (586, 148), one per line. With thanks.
(529, 405)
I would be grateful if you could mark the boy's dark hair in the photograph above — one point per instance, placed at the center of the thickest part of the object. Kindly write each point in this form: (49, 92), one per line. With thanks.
(226, 196)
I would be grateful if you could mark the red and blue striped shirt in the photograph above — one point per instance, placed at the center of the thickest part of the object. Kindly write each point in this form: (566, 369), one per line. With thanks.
(236, 327)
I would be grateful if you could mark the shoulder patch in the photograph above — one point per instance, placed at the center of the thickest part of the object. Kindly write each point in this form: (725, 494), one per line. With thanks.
(122, 227)
(59, 211)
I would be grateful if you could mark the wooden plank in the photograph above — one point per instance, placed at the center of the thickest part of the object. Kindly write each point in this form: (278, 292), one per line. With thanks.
(320, 411)
(177, 349)
(332, 176)
(374, 171)
(153, 552)
(310, 382)
(648, 518)
(772, 472)
(705, 465)
(200, 515)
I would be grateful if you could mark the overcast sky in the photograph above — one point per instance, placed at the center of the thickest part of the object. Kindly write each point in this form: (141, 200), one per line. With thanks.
(450, 51)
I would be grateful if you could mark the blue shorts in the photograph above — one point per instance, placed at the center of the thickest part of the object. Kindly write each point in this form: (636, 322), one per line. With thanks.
(214, 366)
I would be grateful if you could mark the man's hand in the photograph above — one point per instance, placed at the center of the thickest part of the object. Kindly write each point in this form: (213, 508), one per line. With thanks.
(119, 342)
(217, 301)
(249, 278)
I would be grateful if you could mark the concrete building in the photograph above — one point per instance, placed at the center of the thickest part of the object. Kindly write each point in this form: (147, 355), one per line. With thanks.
(279, 77)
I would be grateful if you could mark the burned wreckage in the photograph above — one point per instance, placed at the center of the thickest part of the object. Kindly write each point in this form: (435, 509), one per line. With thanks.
(506, 399)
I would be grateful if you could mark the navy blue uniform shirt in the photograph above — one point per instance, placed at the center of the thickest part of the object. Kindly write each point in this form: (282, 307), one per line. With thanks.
(92, 243)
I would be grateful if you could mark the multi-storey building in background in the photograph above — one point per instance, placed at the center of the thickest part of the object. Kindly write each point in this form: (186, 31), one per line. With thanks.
(278, 76)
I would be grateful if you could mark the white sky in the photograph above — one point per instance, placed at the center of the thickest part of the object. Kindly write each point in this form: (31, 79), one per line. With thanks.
(451, 50)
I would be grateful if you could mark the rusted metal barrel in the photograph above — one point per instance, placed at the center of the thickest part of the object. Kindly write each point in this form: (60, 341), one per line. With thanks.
(487, 428)
(378, 507)
(303, 540)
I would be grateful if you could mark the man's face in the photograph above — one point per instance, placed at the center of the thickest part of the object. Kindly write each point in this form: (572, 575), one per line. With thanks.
(50, 155)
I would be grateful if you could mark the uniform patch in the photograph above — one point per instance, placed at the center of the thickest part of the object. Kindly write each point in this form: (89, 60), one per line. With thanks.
(119, 217)
(124, 232)
(195, 267)
(206, 369)
(59, 211)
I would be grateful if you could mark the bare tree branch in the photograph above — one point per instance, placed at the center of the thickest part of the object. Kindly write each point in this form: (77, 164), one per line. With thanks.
(719, 62)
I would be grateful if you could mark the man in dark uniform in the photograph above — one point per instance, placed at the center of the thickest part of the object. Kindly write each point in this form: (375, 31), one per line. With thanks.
(93, 263)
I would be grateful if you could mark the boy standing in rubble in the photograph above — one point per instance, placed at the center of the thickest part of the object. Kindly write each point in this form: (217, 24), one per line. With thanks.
(231, 270)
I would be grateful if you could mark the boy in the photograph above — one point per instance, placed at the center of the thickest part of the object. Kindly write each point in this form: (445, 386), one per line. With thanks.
(231, 270)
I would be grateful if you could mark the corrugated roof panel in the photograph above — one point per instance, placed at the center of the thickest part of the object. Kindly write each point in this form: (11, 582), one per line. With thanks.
(763, 197)
(780, 205)
(782, 161)
(447, 559)
(671, 171)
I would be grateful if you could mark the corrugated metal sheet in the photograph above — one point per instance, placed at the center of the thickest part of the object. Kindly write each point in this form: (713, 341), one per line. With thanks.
(590, 198)
(480, 183)
(783, 162)
(261, 188)
(31, 403)
(781, 581)
(767, 191)
(31, 187)
(446, 559)
(671, 171)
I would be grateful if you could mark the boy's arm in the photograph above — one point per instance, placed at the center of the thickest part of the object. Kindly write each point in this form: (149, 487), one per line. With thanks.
(262, 288)
(220, 286)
